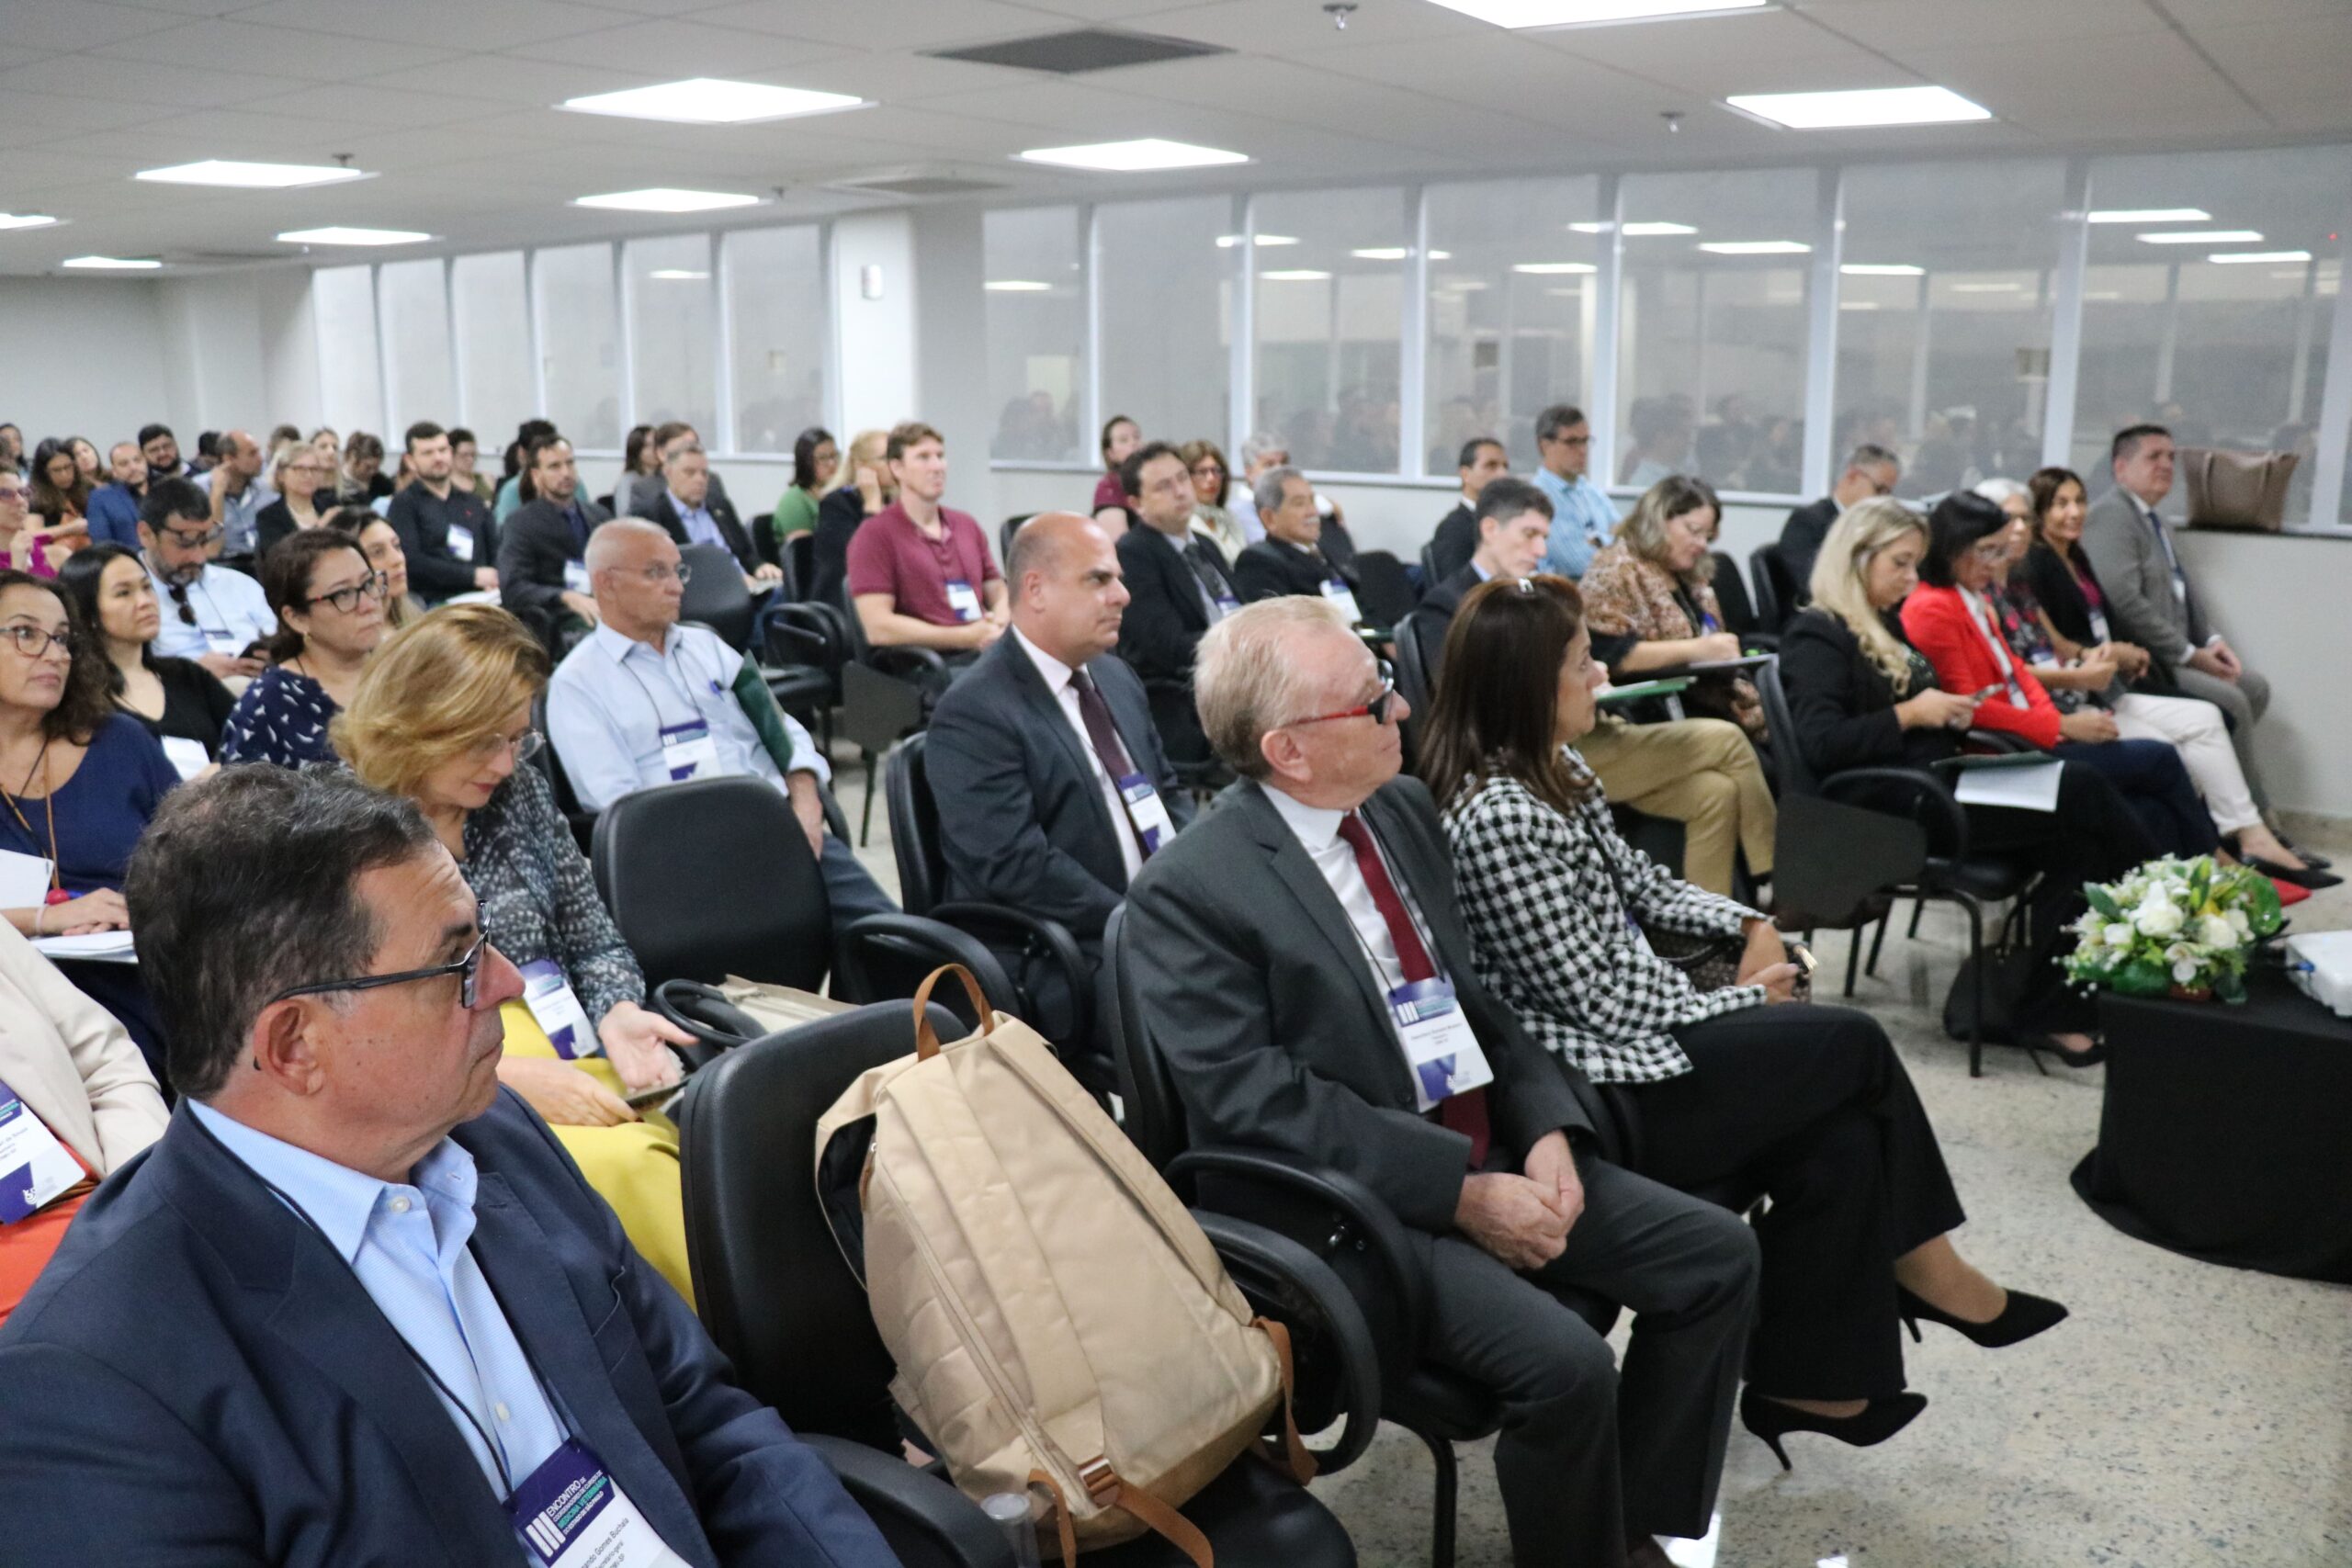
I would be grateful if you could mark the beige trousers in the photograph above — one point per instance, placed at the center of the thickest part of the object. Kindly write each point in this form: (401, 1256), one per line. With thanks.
(1701, 773)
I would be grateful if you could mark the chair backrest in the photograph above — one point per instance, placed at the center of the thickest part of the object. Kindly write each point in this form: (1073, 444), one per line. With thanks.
(1796, 775)
(713, 877)
(1429, 573)
(770, 1281)
(1731, 594)
(1153, 1116)
(800, 562)
(1419, 636)
(582, 820)
(860, 649)
(1777, 593)
(1384, 589)
(1004, 532)
(716, 595)
(763, 529)
(914, 826)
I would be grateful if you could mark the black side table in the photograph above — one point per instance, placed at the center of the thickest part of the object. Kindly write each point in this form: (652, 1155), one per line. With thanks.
(2226, 1133)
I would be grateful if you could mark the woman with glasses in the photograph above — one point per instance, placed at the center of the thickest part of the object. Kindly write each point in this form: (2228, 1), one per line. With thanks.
(442, 715)
(1654, 584)
(115, 608)
(330, 606)
(815, 459)
(1739, 1083)
(300, 476)
(1205, 460)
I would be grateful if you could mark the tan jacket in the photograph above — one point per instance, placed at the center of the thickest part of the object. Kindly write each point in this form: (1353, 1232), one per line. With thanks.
(71, 1064)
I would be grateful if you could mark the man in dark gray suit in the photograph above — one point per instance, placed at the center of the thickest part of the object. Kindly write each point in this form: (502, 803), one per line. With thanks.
(543, 547)
(2150, 602)
(1177, 590)
(1050, 783)
(1303, 963)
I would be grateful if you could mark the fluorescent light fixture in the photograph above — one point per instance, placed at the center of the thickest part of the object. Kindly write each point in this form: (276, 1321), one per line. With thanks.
(1755, 247)
(1553, 269)
(1882, 269)
(25, 220)
(111, 264)
(2103, 295)
(252, 176)
(711, 100)
(1635, 231)
(1440, 255)
(1858, 304)
(2232, 257)
(1860, 106)
(1295, 275)
(1574, 13)
(665, 199)
(1989, 288)
(1227, 242)
(338, 235)
(1382, 252)
(1140, 156)
(679, 275)
(1016, 286)
(2150, 215)
(2202, 237)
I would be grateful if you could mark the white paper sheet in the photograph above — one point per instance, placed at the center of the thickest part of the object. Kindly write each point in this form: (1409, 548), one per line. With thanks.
(112, 947)
(2033, 788)
(24, 880)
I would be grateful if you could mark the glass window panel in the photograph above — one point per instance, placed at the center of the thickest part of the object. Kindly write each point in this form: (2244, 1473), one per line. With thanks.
(2228, 354)
(416, 303)
(1951, 361)
(1712, 349)
(1168, 307)
(777, 319)
(1328, 324)
(1036, 328)
(579, 343)
(1512, 293)
(494, 383)
(351, 385)
(671, 332)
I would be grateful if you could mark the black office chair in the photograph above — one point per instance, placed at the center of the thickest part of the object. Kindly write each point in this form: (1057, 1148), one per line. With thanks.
(773, 1288)
(1739, 611)
(1384, 592)
(1430, 575)
(802, 654)
(1778, 592)
(714, 593)
(882, 699)
(1418, 640)
(581, 821)
(800, 563)
(1004, 532)
(763, 529)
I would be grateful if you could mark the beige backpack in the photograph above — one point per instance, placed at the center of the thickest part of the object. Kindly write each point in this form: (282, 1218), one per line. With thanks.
(1057, 1318)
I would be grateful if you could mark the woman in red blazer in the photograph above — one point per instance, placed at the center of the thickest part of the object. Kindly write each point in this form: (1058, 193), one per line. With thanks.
(1950, 620)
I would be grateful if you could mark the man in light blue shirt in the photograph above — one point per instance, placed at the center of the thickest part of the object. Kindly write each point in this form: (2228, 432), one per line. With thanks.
(1583, 519)
(212, 613)
(643, 701)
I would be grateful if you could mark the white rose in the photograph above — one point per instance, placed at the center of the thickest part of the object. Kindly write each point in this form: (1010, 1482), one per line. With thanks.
(2156, 917)
(2184, 971)
(2240, 924)
(2119, 934)
(2220, 933)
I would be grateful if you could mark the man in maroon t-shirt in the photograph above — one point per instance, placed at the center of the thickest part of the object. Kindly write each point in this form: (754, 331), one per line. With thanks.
(919, 574)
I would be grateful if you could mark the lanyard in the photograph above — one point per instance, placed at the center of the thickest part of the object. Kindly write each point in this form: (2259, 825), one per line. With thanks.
(683, 688)
(49, 805)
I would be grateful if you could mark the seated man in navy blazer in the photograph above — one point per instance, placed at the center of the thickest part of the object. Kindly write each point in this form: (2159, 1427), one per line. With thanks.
(356, 1307)
(1177, 590)
(696, 512)
(1048, 775)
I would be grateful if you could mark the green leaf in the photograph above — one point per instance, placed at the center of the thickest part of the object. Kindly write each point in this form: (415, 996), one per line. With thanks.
(2142, 977)
(2101, 900)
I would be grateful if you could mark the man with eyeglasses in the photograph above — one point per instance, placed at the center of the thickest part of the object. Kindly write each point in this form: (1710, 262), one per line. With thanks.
(445, 530)
(643, 701)
(1583, 517)
(114, 507)
(1178, 589)
(1304, 968)
(211, 614)
(356, 1305)
(1870, 470)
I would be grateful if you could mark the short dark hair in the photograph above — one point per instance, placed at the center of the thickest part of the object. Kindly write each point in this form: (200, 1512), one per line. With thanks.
(208, 444)
(245, 885)
(362, 443)
(84, 703)
(804, 455)
(460, 436)
(1470, 449)
(1506, 498)
(287, 569)
(2127, 440)
(422, 430)
(173, 497)
(906, 434)
(1131, 472)
(149, 432)
(539, 444)
(1110, 425)
(1555, 419)
(1958, 522)
(669, 430)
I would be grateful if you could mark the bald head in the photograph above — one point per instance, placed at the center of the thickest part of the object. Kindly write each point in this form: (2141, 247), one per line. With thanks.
(1040, 543)
(625, 541)
(1066, 593)
(633, 569)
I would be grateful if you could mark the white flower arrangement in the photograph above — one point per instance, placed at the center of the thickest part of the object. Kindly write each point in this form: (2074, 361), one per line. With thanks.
(2173, 926)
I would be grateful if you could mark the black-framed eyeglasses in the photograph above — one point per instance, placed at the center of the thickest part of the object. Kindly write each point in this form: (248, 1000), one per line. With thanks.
(347, 599)
(33, 641)
(189, 540)
(1375, 710)
(468, 969)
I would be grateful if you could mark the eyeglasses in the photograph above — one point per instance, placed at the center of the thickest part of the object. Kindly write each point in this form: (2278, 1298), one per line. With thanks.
(1995, 549)
(468, 969)
(346, 600)
(1375, 710)
(684, 572)
(33, 641)
(189, 541)
(524, 746)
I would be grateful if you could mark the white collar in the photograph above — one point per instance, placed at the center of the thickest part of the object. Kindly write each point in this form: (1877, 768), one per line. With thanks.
(1055, 672)
(1317, 827)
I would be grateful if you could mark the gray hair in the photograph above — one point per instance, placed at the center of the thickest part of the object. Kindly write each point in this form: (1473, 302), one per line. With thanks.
(615, 536)
(2001, 490)
(244, 885)
(1260, 444)
(1244, 681)
(1871, 454)
(1267, 491)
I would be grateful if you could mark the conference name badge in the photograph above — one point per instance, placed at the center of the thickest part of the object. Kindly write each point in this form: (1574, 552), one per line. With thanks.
(572, 1514)
(575, 576)
(686, 749)
(557, 1010)
(226, 643)
(1440, 1046)
(1337, 593)
(461, 541)
(1146, 811)
(962, 600)
(35, 1168)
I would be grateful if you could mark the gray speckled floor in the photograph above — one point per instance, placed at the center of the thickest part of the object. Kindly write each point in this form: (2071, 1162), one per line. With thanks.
(2186, 1416)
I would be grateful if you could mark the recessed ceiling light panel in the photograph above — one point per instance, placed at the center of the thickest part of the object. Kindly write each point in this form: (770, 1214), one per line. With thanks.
(711, 100)
(1574, 13)
(1143, 155)
(1860, 106)
(338, 235)
(2203, 237)
(1016, 286)
(1882, 269)
(678, 275)
(241, 176)
(2233, 257)
(1553, 269)
(1295, 275)
(1382, 252)
(1755, 247)
(26, 221)
(111, 264)
(1227, 242)
(665, 199)
(2151, 215)
(1653, 231)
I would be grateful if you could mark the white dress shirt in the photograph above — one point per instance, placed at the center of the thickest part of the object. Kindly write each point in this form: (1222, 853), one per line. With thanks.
(1057, 676)
(1318, 830)
(227, 604)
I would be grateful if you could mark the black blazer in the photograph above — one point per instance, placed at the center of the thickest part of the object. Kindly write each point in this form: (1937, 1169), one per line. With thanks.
(1270, 569)
(1455, 541)
(838, 516)
(532, 549)
(1164, 623)
(1270, 1016)
(1801, 538)
(2055, 590)
(1021, 819)
(422, 525)
(730, 527)
(1843, 706)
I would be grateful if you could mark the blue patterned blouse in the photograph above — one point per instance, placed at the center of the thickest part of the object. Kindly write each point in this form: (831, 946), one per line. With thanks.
(282, 718)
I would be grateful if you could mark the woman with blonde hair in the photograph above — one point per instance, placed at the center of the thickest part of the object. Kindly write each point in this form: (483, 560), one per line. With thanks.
(442, 715)
(301, 476)
(866, 490)
(1654, 586)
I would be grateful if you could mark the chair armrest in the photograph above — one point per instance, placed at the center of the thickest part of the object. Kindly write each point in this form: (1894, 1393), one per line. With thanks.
(925, 1520)
(905, 659)
(930, 942)
(1001, 925)
(702, 1011)
(1998, 740)
(1927, 791)
(1336, 1366)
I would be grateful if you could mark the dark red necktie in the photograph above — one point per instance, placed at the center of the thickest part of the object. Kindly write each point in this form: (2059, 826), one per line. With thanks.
(1095, 714)
(1466, 1112)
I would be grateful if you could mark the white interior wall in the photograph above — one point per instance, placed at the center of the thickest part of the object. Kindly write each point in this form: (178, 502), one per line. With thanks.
(83, 356)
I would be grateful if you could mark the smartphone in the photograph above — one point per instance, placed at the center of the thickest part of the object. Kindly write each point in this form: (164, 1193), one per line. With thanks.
(1804, 955)
(651, 1098)
(1984, 691)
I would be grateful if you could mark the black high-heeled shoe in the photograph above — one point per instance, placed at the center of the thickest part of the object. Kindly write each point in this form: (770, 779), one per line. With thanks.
(1881, 1419)
(2024, 1317)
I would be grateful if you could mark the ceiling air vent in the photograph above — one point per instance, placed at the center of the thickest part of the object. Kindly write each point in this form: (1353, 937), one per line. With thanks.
(1086, 49)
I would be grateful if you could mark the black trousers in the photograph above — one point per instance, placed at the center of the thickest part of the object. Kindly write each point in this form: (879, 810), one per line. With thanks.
(1812, 1105)
(1590, 1453)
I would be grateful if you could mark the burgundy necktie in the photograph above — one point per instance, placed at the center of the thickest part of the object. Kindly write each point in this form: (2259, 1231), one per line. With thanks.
(1095, 714)
(1466, 1112)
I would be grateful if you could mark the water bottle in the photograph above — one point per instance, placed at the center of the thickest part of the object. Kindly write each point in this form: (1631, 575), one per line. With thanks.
(1011, 1512)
